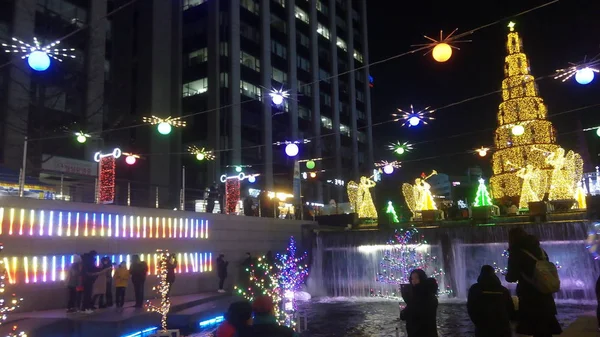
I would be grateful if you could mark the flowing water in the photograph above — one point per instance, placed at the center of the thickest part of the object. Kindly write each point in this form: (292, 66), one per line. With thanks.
(346, 263)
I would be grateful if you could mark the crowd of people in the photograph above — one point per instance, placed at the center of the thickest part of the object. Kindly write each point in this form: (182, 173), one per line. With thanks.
(490, 305)
(90, 285)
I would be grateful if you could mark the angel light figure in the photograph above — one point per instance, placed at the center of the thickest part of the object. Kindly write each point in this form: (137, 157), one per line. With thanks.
(418, 196)
(360, 197)
(532, 177)
(567, 171)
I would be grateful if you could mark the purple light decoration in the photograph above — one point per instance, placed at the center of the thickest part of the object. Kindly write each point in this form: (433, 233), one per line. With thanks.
(293, 272)
(388, 169)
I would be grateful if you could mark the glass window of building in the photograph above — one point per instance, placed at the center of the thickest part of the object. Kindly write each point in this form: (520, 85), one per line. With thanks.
(195, 87)
(355, 15)
(322, 8)
(249, 32)
(326, 122)
(301, 15)
(250, 61)
(304, 112)
(360, 114)
(304, 88)
(187, 4)
(325, 99)
(361, 137)
(344, 130)
(340, 22)
(278, 23)
(303, 63)
(342, 44)
(223, 49)
(302, 39)
(324, 75)
(198, 56)
(250, 5)
(324, 31)
(360, 96)
(358, 56)
(278, 49)
(281, 3)
(224, 79)
(279, 76)
(250, 90)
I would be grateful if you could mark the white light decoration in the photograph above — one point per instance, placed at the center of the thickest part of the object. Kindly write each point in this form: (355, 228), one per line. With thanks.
(115, 153)
(413, 118)
(482, 151)
(38, 56)
(388, 169)
(131, 158)
(165, 125)
(518, 130)
(252, 179)
(81, 137)
(583, 71)
(292, 150)
(278, 96)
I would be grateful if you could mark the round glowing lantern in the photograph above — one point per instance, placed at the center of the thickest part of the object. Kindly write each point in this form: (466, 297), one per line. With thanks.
(310, 164)
(81, 138)
(130, 160)
(399, 150)
(584, 76)
(292, 150)
(277, 98)
(414, 121)
(598, 132)
(38, 61)
(252, 179)
(388, 169)
(164, 128)
(442, 52)
(518, 130)
(238, 169)
(313, 174)
(200, 156)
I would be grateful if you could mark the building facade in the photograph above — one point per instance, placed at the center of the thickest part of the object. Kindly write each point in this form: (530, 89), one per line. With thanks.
(236, 51)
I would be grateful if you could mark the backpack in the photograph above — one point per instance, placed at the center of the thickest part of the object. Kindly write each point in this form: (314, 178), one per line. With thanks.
(545, 275)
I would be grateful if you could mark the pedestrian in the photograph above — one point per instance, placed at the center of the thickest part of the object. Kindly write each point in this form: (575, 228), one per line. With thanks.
(108, 296)
(222, 271)
(99, 287)
(75, 285)
(537, 311)
(138, 271)
(421, 306)
(237, 319)
(89, 270)
(171, 266)
(490, 305)
(265, 323)
(598, 299)
(121, 280)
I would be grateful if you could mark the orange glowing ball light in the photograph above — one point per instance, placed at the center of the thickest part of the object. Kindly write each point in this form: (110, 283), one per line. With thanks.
(442, 52)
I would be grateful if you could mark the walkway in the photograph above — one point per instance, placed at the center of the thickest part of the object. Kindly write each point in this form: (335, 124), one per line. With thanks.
(584, 326)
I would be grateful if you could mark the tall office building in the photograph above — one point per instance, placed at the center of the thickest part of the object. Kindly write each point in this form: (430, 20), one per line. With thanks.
(236, 51)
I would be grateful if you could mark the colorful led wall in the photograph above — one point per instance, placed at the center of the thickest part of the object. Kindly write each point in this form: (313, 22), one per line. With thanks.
(54, 268)
(30, 222)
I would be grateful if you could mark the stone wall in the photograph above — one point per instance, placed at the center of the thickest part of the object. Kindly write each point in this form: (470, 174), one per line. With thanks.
(38, 235)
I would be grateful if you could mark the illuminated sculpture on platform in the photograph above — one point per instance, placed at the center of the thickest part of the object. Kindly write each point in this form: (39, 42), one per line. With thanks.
(567, 171)
(533, 186)
(418, 196)
(524, 135)
(360, 197)
(106, 175)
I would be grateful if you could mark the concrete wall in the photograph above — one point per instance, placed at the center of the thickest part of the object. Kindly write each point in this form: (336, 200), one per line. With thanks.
(208, 234)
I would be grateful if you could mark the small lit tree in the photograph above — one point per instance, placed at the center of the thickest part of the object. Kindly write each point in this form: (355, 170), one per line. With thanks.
(163, 290)
(482, 198)
(291, 275)
(7, 306)
(392, 212)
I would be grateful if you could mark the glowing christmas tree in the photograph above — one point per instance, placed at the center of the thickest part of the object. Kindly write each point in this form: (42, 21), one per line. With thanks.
(483, 197)
(405, 252)
(8, 305)
(163, 290)
(262, 280)
(524, 135)
(392, 212)
(291, 275)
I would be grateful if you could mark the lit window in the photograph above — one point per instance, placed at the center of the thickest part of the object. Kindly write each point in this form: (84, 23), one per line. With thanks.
(326, 122)
(361, 137)
(345, 130)
(342, 44)
(281, 2)
(301, 15)
(250, 61)
(198, 56)
(322, 8)
(195, 88)
(187, 4)
(358, 56)
(279, 75)
(250, 5)
(304, 113)
(223, 48)
(224, 79)
(250, 90)
(323, 31)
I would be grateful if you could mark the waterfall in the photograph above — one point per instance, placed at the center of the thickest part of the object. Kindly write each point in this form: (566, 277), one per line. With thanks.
(315, 284)
(347, 263)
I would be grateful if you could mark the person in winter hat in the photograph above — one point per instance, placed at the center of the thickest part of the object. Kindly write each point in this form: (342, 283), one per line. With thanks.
(421, 306)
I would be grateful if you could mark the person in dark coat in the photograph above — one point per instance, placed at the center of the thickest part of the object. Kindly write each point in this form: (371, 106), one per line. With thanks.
(138, 271)
(421, 306)
(222, 271)
(171, 266)
(89, 270)
(537, 312)
(265, 324)
(598, 299)
(237, 319)
(490, 305)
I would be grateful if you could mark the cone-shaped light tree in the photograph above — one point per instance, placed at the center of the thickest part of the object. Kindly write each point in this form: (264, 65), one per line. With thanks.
(482, 198)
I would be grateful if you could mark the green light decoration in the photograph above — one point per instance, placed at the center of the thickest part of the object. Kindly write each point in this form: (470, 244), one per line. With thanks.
(390, 210)
(483, 196)
(310, 164)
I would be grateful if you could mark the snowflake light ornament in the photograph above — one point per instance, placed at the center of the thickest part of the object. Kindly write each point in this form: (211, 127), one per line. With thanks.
(38, 56)
(583, 71)
(278, 96)
(400, 148)
(413, 118)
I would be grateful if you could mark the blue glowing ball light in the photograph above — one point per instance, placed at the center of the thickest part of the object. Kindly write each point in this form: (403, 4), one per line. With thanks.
(414, 121)
(38, 61)
(584, 76)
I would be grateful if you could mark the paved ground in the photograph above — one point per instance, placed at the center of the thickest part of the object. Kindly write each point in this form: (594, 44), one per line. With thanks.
(584, 326)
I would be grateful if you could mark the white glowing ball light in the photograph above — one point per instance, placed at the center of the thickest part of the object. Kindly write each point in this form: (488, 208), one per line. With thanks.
(584, 76)
(518, 130)
(414, 121)
(130, 160)
(164, 128)
(388, 169)
(252, 179)
(598, 132)
(292, 150)
(278, 96)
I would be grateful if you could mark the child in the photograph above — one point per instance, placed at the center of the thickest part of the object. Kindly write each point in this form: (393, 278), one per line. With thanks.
(121, 279)
(490, 306)
(75, 285)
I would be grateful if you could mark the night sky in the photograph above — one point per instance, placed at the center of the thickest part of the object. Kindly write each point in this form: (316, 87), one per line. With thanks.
(562, 32)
